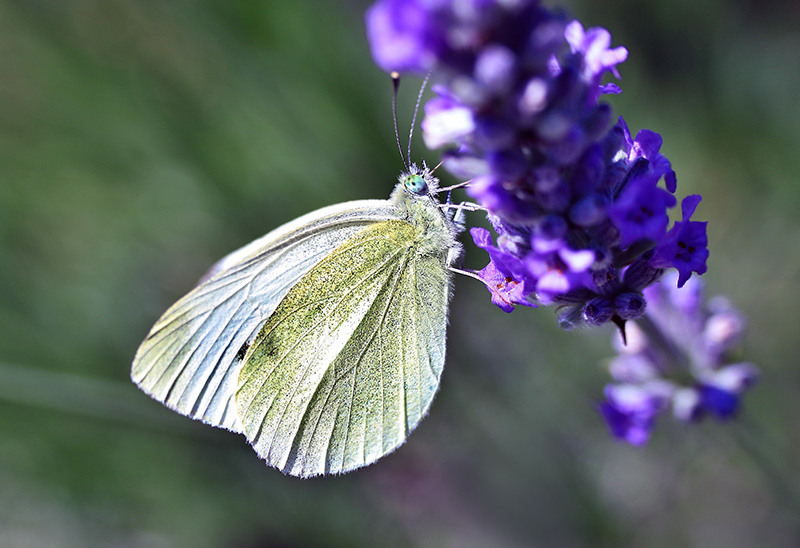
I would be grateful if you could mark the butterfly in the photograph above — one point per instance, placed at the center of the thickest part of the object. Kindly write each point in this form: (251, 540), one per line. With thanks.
(322, 342)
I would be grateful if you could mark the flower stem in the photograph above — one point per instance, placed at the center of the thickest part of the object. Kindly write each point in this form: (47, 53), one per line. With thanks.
(663, 344)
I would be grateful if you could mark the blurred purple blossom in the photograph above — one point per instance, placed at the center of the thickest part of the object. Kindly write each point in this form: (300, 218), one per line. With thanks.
(630, 410)
(679, 355)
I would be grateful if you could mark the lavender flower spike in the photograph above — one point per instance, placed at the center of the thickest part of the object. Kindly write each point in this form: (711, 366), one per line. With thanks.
(579, 206)
(575, 200)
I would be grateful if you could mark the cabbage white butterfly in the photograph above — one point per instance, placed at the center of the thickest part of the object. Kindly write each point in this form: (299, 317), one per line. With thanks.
(322, 342)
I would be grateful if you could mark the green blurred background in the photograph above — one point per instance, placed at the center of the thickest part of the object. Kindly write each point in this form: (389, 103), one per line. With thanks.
(142, 140)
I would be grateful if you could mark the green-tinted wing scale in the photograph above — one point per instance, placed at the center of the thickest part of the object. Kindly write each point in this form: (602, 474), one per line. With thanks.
(349, 362)
(191, 358)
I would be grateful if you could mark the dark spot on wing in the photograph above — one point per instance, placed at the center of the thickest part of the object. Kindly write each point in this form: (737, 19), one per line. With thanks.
(242, 351)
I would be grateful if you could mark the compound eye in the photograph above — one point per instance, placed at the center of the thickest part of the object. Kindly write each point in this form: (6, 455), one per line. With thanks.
(416, 184)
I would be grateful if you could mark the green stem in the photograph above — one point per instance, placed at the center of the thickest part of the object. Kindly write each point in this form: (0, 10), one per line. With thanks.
(677, 358)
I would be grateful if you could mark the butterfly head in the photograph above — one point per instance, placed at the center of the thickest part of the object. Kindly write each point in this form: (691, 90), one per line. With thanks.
(419, 181)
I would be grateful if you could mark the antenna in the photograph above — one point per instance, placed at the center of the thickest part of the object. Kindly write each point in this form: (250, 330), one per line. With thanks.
(396, 85)
(416, 109)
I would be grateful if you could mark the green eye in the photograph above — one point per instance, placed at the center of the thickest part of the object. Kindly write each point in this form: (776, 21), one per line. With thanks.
(416, 184)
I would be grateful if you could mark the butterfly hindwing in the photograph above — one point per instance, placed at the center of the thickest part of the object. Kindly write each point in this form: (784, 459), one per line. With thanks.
(350, 360)
(191, 358)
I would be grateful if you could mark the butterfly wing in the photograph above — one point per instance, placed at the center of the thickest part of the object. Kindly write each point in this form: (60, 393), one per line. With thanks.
(191, 358)
(349, 362)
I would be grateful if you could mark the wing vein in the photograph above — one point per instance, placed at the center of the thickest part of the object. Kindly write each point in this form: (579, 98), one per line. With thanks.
(389, 299)
(197, 346)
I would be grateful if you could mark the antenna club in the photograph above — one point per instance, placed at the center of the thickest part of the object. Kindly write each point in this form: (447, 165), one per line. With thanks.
(396, 85)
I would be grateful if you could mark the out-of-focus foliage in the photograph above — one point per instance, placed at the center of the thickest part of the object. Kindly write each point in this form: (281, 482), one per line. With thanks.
(142, 140)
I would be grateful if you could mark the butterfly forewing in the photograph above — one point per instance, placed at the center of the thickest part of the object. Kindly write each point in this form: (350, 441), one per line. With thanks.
(350, 360)
(191, 358)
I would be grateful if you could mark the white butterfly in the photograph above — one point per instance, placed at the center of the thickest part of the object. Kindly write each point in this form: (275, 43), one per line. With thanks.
(322, 342)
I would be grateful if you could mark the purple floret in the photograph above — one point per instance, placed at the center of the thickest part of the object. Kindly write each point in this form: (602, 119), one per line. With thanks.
(686, 245)
(641, 211)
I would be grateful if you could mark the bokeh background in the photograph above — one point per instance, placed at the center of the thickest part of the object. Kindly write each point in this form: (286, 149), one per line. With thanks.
(142, 140)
